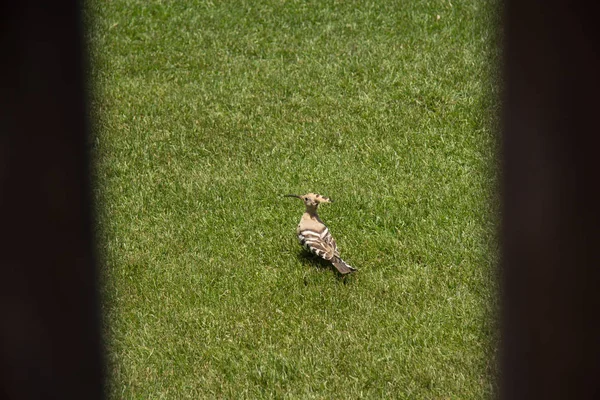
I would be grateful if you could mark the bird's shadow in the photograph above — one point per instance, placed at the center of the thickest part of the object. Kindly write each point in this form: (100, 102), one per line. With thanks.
(308, 258)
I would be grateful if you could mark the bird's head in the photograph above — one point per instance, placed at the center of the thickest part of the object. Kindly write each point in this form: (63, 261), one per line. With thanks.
(311, 200)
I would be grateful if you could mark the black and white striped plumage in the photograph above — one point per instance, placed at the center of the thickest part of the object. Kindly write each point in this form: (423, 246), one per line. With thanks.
(315, 237)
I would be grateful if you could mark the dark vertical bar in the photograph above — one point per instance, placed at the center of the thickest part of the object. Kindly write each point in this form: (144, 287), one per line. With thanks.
(551, 252)
(49, 319)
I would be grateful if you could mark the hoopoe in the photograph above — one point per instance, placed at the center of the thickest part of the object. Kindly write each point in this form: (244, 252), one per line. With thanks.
(314, 236)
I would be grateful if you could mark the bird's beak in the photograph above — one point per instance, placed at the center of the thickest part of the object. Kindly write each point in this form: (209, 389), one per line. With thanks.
(292, 195)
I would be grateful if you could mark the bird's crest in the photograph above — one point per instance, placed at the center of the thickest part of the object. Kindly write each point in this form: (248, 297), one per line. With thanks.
(311, 198)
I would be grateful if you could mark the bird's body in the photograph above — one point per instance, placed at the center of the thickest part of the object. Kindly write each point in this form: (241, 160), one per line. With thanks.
(314, 235)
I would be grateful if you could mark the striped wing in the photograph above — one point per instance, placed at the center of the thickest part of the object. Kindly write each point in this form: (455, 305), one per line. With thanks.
(320, 243)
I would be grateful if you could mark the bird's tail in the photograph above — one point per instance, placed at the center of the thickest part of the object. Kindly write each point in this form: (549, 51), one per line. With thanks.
(341, 266)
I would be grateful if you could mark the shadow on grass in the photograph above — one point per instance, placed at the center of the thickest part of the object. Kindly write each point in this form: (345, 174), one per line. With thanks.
(308, 258)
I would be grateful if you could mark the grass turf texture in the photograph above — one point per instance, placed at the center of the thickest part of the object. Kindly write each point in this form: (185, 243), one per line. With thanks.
(206, 112)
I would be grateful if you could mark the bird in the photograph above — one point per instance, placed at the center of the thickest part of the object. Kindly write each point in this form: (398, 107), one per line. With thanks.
(314, 235)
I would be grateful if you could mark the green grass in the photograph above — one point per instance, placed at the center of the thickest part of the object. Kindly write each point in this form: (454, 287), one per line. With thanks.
(207, 111)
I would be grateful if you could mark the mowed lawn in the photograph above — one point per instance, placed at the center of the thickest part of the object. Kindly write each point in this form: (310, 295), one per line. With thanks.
(206, 112)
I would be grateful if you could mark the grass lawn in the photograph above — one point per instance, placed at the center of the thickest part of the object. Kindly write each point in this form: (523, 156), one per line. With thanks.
(206, 112)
